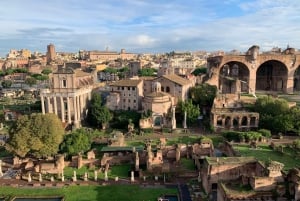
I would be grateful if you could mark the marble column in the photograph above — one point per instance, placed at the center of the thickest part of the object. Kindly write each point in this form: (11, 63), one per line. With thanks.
(69, 110)
(43, 104)
(78, 108)
(62, 109)
(49, 105)
(75, 110)
(55, 104)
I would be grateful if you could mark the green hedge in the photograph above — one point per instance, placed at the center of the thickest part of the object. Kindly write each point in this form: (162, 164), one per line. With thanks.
(242, 136)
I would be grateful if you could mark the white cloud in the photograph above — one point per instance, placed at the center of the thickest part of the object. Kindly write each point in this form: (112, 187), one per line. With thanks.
(149, 25)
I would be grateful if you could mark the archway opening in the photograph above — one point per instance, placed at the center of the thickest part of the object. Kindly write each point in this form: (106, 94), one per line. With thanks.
(235, 122)
(297, 79)
(271, 76)
(244, 121)
(227, 122)
(233, 78)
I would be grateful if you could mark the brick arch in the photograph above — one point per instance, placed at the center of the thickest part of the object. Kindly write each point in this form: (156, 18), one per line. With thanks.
(271, 75)
(231, 71)
(296, 79)
(291, 61)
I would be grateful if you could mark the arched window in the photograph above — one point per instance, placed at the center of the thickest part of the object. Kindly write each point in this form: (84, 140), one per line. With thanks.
(167, 89)
(244, 121)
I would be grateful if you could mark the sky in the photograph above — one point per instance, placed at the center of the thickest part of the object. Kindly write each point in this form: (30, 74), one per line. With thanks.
(148, 26)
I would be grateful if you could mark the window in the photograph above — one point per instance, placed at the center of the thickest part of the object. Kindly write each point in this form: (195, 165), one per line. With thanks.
(122, 88)
(128, 100)
(133, 88)
(128, 88)
(124, 100)
(167, 89)
(134, 101)
(64, 83)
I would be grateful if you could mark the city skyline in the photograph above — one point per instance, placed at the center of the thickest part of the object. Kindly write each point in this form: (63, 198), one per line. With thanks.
(149, 26)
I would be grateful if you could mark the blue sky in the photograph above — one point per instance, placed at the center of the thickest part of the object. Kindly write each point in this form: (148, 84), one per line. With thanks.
(144, 26)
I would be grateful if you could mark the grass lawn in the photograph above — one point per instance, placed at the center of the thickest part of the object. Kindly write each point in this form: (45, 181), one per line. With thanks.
(184, 140)
(92, 193)
(188, 164)
(264, 153)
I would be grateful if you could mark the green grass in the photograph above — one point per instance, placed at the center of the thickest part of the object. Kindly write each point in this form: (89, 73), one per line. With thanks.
(187, 164)
(184, 140)
(92, 193)
(264, 153)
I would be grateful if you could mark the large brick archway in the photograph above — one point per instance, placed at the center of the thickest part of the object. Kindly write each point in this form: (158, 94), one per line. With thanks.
(231, 71)
(271, 76)
(282, 74)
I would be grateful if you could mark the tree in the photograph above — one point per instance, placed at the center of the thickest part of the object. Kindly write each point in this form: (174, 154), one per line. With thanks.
(46, 71)
(98, 115)
(295, 114)
(199, 71)
(193, 111)
(147, 72)
(30, 81)
(36, 134)
(6, 83)
(76, 142)
(203, 95)
(274, 114)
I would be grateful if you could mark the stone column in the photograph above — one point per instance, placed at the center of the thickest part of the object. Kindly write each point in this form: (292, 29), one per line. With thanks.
(85, 178)
(78, 108)
(69, 110)
(40, 177)
(75, 110)
(81, 106)
(62, 176)
(132, 176)
(184, 120)
(43, 104)
(137, 161)
(74, 176)
(49, 105)
(95, 175)
(62, 109)
(173, 117)
(105, 176)
(55, 105)
(29, 177)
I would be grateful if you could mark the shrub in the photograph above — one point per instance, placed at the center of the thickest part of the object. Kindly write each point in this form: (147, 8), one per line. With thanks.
(265, 132)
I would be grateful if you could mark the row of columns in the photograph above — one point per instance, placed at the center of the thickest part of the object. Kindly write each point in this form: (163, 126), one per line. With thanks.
(75, 106)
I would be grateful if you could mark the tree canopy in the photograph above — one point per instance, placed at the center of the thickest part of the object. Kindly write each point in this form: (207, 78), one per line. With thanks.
(193, 111)
(98, 114)
(147, 72)
(76, 142)
(6, 83)
(30, 81)
(36, 134)
(276, 116)
(203, 95)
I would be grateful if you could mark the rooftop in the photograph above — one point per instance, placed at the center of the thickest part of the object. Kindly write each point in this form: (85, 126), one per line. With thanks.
(126, 83)
(177, 79)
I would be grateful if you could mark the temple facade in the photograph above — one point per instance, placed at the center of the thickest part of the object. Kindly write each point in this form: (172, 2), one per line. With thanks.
(68, 95)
